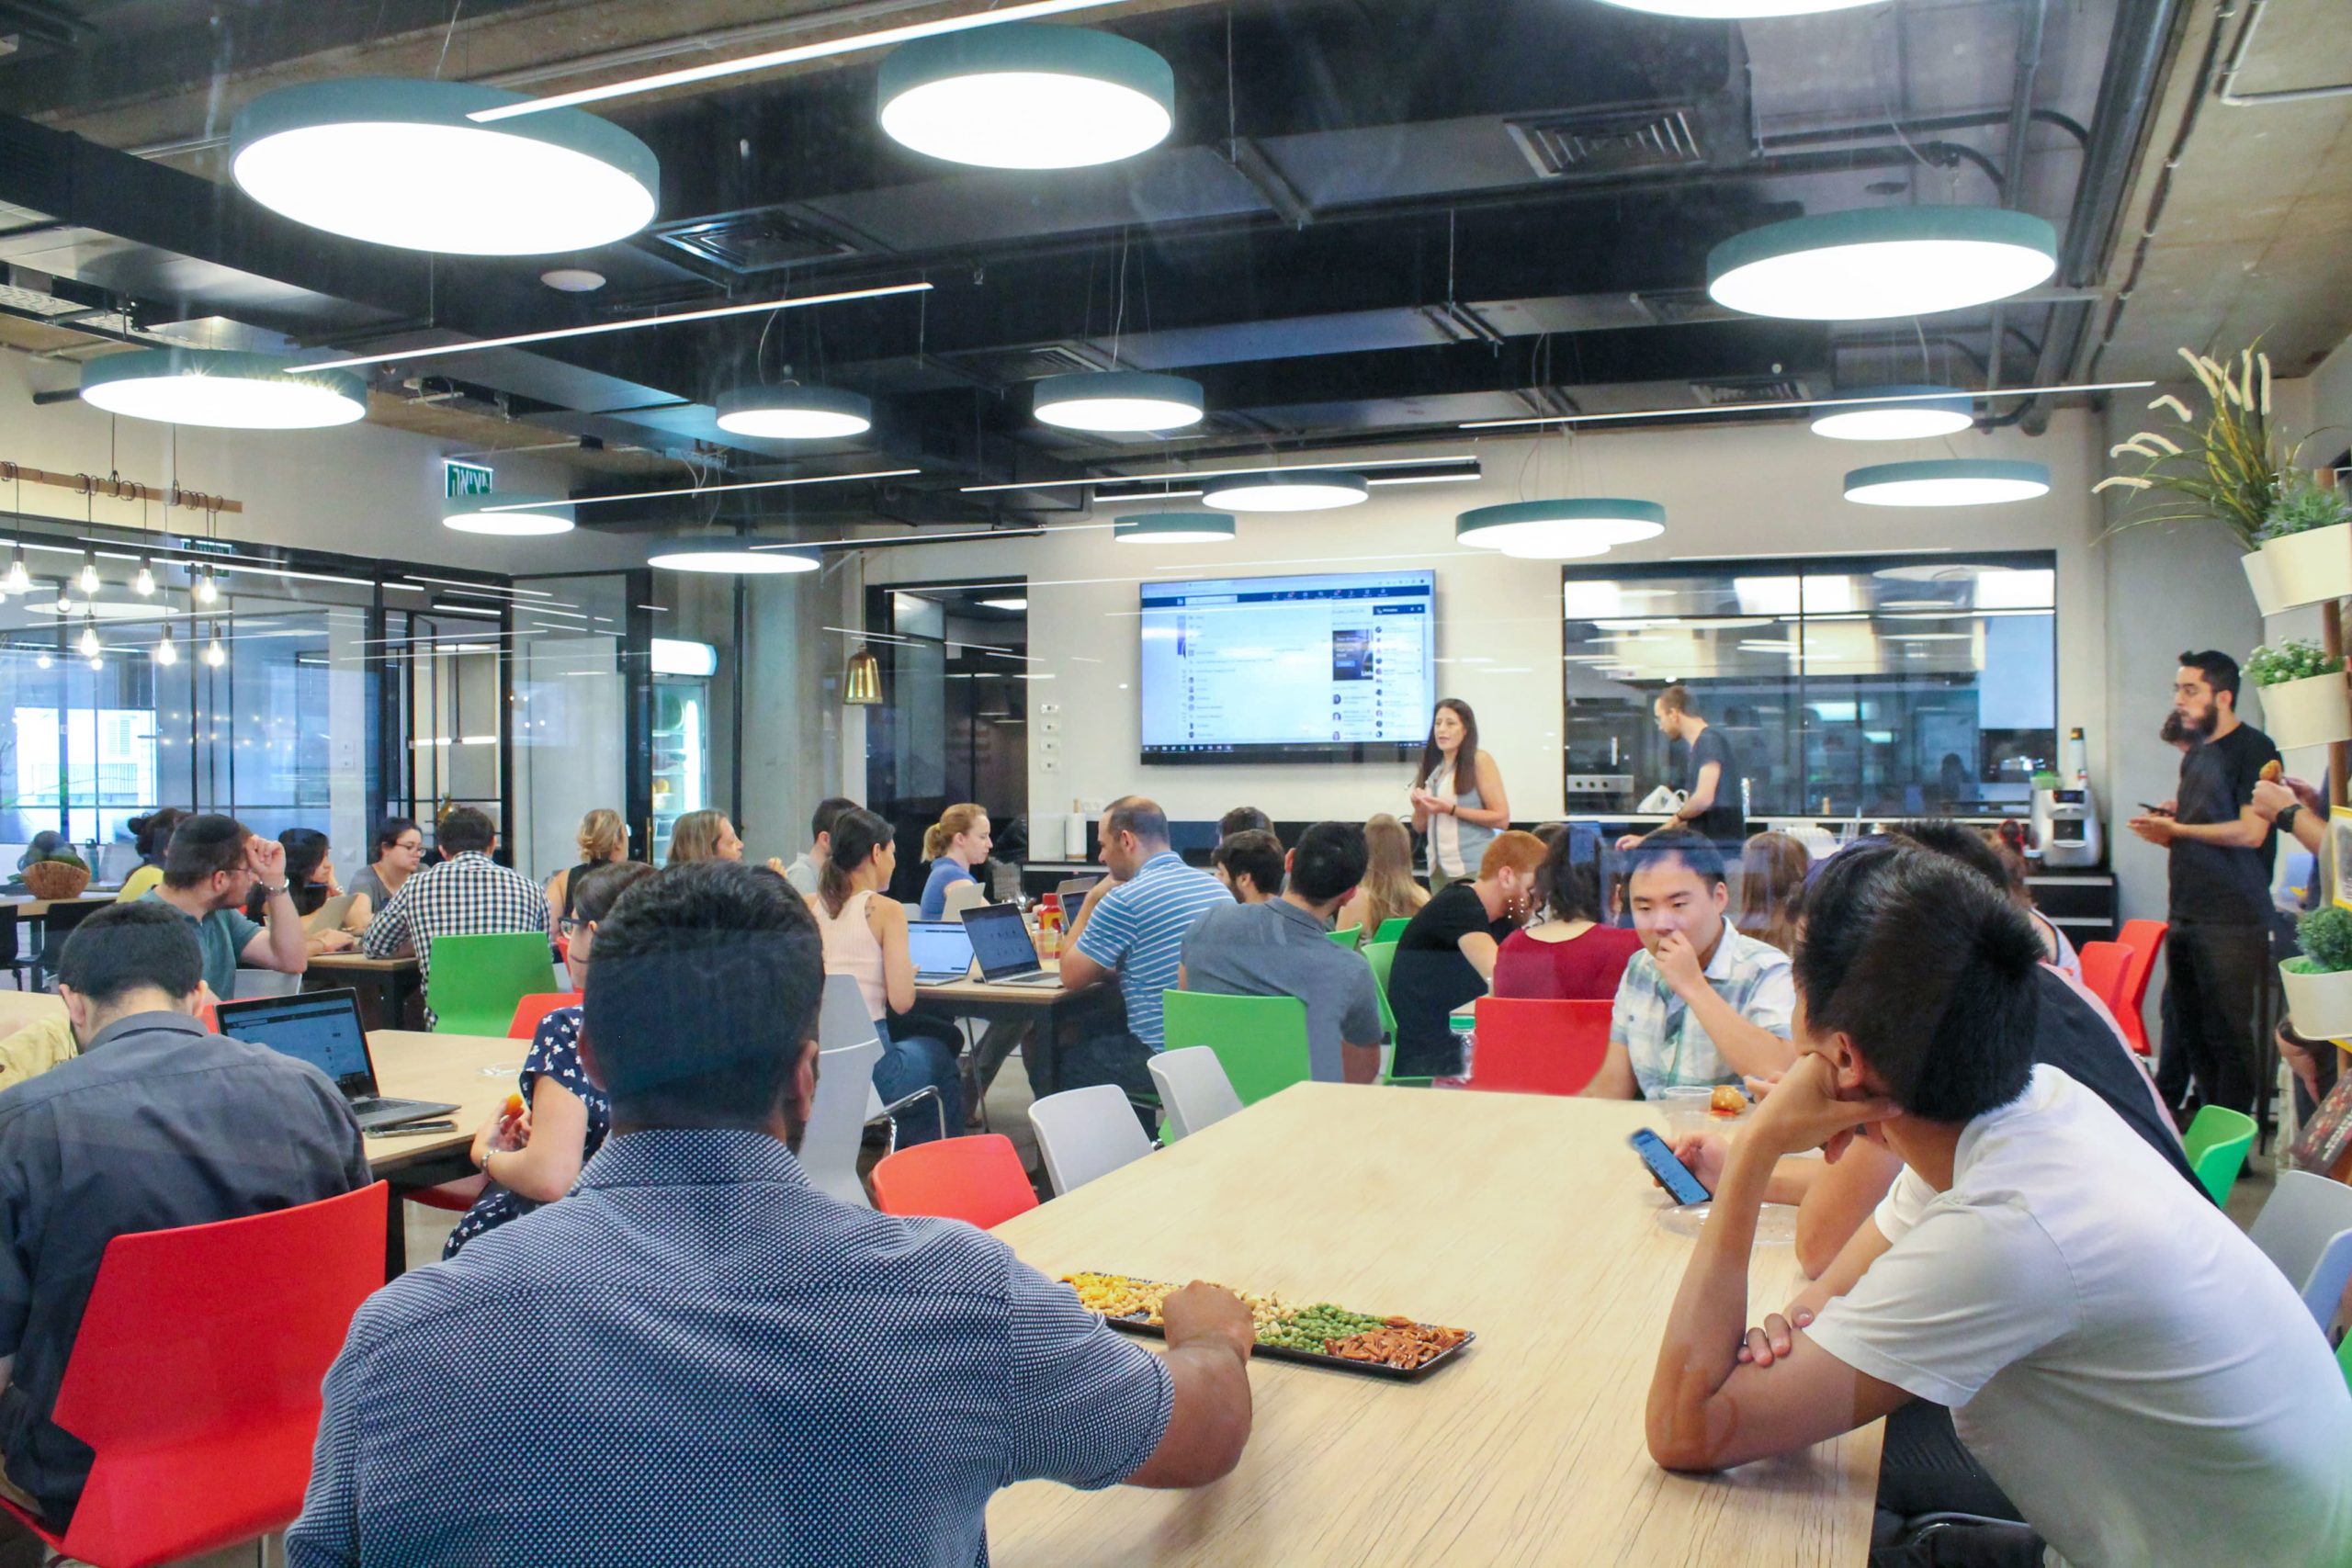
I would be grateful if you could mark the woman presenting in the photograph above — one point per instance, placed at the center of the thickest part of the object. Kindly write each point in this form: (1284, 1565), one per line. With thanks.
(1459, 801)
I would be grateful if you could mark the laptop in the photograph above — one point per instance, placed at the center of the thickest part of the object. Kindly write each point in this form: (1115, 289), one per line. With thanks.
(1000, 942)
(942, 949)
(1073, 892)
(322, 1029)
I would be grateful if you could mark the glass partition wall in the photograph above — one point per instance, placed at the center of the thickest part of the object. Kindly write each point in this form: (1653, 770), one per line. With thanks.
(1863, 686)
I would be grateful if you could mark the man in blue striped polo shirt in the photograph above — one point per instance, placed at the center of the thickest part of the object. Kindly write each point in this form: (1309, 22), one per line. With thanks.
(1131, 929)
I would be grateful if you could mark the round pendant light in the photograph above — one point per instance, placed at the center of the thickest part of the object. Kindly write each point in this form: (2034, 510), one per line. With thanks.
(1173, 529)
(1025, 96)
(397, 162)
(1865, 264)
(1116, 401)
(794, 414)
(1736, 10)
(1948, 481)
(1560, 530)
(1916, 418)
(729, 557)
(1287, 490)
(224, 388)
(472, 514)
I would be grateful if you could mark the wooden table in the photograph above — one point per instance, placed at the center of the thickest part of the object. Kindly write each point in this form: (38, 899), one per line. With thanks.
(1523, 1217)
(1038, 1019)
(31, 908)
(390, 989)
(411, 1065)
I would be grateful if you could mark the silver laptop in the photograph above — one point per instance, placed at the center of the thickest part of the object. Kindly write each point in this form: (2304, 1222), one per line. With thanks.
(322, 1029)
(1001, 943)
(1073, 892)
(941, 950)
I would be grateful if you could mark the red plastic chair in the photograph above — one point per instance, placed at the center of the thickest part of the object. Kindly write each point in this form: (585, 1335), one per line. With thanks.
(532, 1009)
(2104, 965)
(978, 1179)
(2147, 940)
(1532, 1046)
(194, 1377)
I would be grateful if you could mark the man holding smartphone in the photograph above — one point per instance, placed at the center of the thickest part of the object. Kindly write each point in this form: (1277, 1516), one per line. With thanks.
(2006, 1275)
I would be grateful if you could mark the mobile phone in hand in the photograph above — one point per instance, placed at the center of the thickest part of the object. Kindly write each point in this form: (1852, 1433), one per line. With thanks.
(1672, 1174)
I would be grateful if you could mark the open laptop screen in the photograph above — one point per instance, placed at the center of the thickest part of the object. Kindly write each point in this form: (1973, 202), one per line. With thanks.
(318, 1027)
(939, 946)
(1000, 941)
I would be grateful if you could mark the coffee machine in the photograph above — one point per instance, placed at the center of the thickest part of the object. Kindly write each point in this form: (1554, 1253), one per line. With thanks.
(2065, 818)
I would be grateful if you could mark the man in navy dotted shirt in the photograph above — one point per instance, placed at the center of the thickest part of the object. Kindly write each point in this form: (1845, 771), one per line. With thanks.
(698, 1357)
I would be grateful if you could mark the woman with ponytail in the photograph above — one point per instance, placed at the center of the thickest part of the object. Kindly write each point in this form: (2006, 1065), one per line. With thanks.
(954, 845)
(864, 933)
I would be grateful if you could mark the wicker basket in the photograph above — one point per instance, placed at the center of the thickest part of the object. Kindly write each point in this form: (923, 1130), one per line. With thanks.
(56, 879)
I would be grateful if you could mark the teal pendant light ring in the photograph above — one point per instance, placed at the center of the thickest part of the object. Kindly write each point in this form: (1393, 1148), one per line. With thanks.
(1948, 481)
(1027, 95)
(732, 558)
(1867, 264)
(1922, 414)
(224, 388)
(1569, 529)
(507, 514)
(1174, 528)
(398, 163)
(794, 413)
(1286, 489)
(1117, 402)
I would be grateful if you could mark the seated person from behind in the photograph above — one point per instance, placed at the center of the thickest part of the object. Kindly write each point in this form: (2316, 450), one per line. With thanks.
(467, 894)
(156, 1125)
(1566, 955)
(1447, 955)
(534, 1157)
(1251, 863)
(2128, 1368)
(1281, 947)
(1244, 820)
(888, 1374)
(1700, 1004)
(213, 867)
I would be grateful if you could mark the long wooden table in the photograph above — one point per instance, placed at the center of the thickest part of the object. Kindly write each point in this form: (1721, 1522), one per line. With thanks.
(1522, 1217)
(390, 989)
(1034, 1019)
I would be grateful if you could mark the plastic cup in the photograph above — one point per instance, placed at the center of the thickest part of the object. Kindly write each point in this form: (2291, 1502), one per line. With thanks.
(1686, 1111)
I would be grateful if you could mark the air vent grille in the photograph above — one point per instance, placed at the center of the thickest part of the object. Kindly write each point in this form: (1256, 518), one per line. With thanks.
(1002, 368)
(1736, 390)
(1588, 143)
(746, 242)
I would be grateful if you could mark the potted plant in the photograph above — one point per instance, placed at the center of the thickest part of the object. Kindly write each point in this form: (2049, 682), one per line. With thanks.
(2304, 699)
(2319, 983)
(2307, 542)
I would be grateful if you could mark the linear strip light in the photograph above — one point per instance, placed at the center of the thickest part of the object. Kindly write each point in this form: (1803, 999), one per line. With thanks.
(714, 489)
(795, 54)
(1800, 404)
(602, 327)
(1268, 468)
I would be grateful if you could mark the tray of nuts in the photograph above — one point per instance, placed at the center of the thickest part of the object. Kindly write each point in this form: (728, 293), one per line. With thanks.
(1319, 1335)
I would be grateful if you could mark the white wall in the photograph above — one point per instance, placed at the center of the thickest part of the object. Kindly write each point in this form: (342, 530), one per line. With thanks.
(1739, 490)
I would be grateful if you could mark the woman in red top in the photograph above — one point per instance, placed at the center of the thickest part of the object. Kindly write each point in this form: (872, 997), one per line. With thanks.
(1568, 955)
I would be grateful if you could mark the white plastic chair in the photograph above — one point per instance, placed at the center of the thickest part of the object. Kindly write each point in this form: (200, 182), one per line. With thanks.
(1086, 1132)
(842, 1022)
(1193, 1089)
(265, 983)
(2305, 1227)
(836, 1132)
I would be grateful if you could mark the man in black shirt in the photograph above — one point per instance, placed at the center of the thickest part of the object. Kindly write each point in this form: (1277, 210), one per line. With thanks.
(1714, 807)
(157, 1124)
(2221, 850)
(1445, 960)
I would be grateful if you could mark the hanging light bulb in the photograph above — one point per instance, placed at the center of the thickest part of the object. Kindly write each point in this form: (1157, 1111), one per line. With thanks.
(145, 583)
(214, 654)
(96, 663)
(88, 579)
(207, 591)
(65, 597)
(88, 644)
(19, 579)
(44, 662)
(166, 651)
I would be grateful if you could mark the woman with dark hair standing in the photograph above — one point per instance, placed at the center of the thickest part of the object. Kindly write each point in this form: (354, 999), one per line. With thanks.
(1458, 800)
(865, 932)
(1567, 954)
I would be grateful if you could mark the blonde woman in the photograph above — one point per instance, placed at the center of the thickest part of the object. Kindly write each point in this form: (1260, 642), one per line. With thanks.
(602, 838)
(1388, 891)
(954, 845)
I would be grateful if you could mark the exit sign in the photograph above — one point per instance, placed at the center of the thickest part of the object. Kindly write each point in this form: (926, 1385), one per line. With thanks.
(467, 479)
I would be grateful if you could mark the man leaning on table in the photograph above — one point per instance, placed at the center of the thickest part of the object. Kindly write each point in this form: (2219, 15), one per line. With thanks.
(2203, 1421)
(697, 1358)
(209, 874)
(157, 1123)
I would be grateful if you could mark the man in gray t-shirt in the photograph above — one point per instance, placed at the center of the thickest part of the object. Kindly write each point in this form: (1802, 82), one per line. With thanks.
(211, 873)
(1283, 948)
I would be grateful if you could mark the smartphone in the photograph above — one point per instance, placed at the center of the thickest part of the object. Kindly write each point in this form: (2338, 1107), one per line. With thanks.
(1672, 1173)
(2155, 810)
(402, 1129)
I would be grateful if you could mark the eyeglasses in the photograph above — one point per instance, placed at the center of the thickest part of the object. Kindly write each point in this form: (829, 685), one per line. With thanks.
(572, 925)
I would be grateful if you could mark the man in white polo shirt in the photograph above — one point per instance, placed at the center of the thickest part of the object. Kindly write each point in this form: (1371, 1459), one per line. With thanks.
(2141, 1381)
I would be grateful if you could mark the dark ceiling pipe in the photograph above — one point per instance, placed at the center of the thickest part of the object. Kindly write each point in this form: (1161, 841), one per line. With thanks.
(2033, 19)
(1928, 124)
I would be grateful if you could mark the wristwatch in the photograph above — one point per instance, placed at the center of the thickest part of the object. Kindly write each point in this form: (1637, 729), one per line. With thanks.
(269, 892)
(2285, 820)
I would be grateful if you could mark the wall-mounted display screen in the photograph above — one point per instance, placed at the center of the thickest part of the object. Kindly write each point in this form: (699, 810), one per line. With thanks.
(1332, 668)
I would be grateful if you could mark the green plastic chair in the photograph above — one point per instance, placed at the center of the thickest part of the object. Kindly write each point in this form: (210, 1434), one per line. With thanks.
(1393, 927)
(1259, 1041)
(1346, 937)
(2344, 1360)
(476, 980)
(1382, 956)
(2216, 1144)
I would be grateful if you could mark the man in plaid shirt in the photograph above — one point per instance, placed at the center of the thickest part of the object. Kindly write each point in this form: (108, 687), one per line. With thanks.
(467, 894)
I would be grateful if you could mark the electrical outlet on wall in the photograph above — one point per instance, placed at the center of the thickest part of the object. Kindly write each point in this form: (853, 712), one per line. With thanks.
(1091, 807)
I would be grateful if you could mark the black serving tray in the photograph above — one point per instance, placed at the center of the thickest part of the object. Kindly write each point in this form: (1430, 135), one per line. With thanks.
(1134, 1324)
